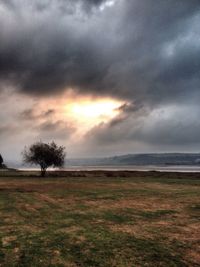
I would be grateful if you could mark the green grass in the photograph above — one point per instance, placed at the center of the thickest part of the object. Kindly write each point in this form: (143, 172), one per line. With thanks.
(98, 219)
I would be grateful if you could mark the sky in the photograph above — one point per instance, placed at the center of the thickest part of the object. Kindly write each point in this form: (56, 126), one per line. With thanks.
(101, 77)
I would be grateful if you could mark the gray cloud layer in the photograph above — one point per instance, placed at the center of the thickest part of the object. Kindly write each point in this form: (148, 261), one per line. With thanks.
(144, 52)
(147, 50)
(157, 127)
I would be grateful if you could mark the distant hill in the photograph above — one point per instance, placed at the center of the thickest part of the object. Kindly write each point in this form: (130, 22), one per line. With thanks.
(161, 159)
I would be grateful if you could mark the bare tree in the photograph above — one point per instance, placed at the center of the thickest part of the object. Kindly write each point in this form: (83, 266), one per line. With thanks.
(45, 155)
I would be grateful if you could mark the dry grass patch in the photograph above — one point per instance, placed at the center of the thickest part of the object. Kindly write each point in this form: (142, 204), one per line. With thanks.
(101, 219)
(146, 204)
(7, 240)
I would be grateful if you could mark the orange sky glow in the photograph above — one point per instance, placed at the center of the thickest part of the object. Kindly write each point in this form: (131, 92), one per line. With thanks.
(82, 112)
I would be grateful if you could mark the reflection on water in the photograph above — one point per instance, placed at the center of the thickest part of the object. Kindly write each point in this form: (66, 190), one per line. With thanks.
(179, 168)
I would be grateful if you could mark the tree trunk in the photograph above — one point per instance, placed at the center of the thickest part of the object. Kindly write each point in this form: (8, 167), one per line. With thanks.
(43, 172)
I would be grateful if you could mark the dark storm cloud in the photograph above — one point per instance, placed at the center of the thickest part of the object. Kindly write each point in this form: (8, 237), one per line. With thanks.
(44, 4)
(174, 125)
(146, 53)
(43, 53)
(146, 50)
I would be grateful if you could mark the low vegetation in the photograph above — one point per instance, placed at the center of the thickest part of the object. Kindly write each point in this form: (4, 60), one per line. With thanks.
(100, 219)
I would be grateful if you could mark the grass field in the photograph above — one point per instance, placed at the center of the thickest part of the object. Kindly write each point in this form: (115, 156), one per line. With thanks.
(100, 219)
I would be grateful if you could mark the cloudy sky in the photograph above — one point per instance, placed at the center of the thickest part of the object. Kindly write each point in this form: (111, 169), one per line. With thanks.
(102, 77)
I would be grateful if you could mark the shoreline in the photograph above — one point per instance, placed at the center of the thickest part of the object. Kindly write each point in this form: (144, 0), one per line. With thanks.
(149, 168)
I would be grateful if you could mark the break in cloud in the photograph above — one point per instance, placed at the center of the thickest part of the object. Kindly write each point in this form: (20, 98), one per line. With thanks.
(145, 54)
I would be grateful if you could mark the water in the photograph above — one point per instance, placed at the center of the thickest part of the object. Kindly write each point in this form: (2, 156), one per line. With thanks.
(174, 168)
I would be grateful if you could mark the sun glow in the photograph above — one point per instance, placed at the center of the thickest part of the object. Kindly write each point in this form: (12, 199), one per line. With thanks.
(80, 112)
(90, 112)
(94, 110)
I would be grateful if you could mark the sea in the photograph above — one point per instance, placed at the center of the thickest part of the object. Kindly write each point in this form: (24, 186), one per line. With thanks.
(173, 168)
